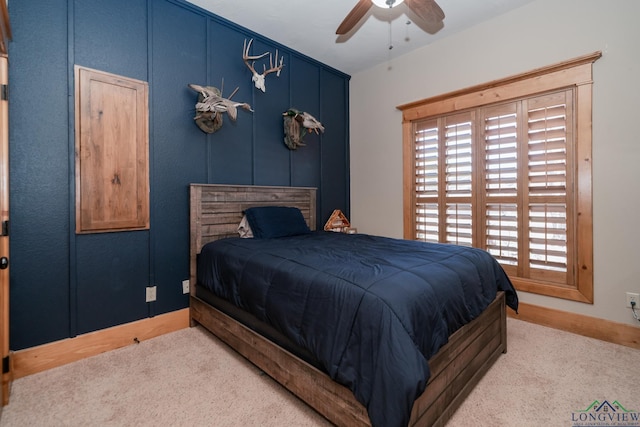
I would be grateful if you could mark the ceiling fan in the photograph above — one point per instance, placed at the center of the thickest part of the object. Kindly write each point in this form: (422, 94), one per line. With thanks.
(427, 10)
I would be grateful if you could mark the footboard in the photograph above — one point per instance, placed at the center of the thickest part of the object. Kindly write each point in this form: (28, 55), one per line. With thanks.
(456, 368)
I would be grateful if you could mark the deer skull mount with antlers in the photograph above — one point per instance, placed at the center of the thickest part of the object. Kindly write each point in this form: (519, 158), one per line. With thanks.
(258, 79)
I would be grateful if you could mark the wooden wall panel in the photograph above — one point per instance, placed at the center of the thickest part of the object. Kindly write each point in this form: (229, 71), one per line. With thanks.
(179, 148)
(231, 150)
(305, 96)
(112, 152)
(111, 284)
(111, 36)
(39, 157)
(269, 147)
(334, 104)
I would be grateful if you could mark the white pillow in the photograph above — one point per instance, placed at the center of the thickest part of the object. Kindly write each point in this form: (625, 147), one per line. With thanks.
(244, 229)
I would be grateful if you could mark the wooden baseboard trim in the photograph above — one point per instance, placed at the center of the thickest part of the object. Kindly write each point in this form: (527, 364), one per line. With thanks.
(37, 359)
(605, 330)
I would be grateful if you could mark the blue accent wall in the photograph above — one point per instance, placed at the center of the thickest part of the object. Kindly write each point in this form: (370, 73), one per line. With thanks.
(63, 284)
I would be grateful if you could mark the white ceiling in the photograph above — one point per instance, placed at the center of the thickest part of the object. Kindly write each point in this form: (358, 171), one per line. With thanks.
(309, 26)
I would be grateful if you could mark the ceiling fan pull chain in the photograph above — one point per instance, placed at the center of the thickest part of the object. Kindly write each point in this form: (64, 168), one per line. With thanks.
(389, 55)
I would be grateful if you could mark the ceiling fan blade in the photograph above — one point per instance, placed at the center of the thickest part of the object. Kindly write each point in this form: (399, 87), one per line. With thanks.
(428, 10)
(356, 14)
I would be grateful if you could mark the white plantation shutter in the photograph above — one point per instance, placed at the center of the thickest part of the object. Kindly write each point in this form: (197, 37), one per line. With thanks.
(458, 170)
(506, 166)
(518, 210)
(426, 181)
(459, 222)
(501, 183)
(549, 175)
(444, 206)
(502, 232)
(548, 236)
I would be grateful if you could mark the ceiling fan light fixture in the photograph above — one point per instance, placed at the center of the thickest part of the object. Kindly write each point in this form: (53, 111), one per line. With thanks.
(387, 3)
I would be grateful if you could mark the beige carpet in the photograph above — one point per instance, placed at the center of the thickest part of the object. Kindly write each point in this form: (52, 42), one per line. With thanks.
(188, 378)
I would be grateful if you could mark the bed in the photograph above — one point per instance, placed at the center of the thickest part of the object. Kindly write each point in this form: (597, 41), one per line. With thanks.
(298, 358)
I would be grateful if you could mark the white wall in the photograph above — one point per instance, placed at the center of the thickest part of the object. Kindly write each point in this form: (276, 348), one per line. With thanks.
(541, 33)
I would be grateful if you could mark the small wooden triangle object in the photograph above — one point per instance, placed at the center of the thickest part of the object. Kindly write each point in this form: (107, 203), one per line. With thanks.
(337, 222)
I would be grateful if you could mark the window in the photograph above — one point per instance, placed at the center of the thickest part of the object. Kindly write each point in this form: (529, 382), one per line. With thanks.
(511, 175)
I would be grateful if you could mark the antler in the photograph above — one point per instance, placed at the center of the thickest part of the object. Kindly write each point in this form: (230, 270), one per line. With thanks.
(258, 79)
(273, 69)
(246, 57)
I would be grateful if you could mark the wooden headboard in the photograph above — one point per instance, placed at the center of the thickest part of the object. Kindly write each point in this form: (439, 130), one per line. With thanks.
(216, 210)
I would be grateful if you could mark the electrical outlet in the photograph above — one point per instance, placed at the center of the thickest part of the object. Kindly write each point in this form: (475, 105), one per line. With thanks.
(151, 293)
(632, 296)
(185, 286)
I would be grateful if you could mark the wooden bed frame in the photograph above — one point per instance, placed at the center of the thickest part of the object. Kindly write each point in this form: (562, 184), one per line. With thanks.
(216, 211)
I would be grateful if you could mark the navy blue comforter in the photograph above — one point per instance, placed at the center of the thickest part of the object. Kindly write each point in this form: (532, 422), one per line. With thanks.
(373, 310)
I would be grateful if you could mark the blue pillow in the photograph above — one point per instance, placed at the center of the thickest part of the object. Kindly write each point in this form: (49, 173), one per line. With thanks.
(276, 221)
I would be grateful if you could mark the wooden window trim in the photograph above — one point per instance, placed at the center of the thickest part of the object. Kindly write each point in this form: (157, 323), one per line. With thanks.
(577, 73)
